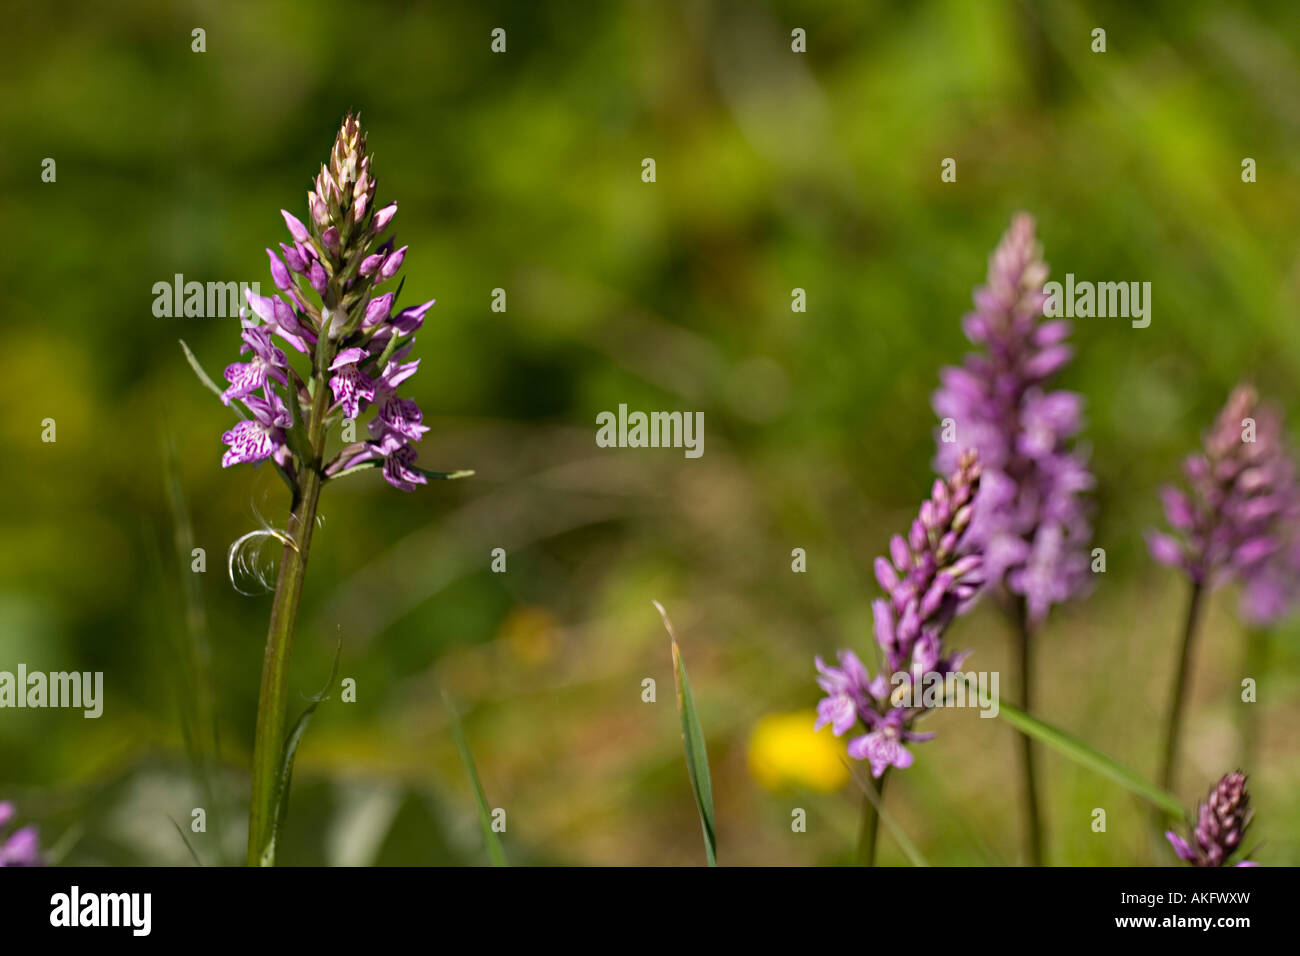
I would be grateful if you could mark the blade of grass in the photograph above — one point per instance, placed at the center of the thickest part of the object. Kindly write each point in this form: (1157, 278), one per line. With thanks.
(900, 836)
(285, 776)
(496, 852)
(1092, 759)
(697, 758)
(198, 721)
(186, 840)
(56, 854)
(205, 378)
(446, 475)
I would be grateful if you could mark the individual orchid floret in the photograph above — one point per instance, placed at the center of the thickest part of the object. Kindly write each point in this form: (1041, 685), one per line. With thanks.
(395, 456)
(410, 319)
(849, 690)
(350, 385)
(396, 371)
(268, 362)
(399, 467)
(1270, 591)
(383, 217)
(294, 257)
(399, 417)
(883, 748)
(392, 264)
(1220, 828)
(296, 228)
(260, 437)
(378, 310)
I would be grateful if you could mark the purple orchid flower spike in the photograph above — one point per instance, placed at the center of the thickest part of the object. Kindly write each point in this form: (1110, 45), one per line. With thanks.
(1220, 828)
(1239, 521)
(1033, 521)
(1240, 517)
(930, 577)
(327, 310)
(351, 353)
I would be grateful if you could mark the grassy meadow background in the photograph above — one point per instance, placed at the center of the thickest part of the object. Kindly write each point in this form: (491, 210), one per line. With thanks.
(522, 171)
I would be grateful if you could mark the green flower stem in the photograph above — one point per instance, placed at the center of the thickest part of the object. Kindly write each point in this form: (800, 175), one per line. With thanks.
(1254, 663)
(1033, 815)
(268, 741)
(870, 821)
(1178, 698)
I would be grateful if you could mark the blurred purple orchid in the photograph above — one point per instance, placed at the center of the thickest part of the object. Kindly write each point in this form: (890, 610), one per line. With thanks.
(1240, 518)
(1031, 520)
(1220, 828)
(22, 847)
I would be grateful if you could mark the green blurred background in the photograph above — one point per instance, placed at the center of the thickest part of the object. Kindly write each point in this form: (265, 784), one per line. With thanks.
(775, 170)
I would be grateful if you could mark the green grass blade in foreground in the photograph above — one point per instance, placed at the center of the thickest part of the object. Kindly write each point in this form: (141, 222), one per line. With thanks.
(199, 729)
(495, 851)
(1093, 760)
(697, 759)
(186, 840)
(900, 836)
(285, 775)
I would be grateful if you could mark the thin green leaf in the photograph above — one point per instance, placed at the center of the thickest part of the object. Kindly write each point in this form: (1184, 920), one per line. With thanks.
(376, 462)
(289, 481)
(186, 840)
(291, 742)
(204, 378)
(393, 342)
(198, 721)
(364, 466)
(1093, 760)
(496, 852)
(900, 836)
(296, 434)
(697, 758)
(446, 475)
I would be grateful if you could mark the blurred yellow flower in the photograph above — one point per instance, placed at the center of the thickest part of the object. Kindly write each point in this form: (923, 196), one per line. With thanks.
(530, 634)
(784, 752)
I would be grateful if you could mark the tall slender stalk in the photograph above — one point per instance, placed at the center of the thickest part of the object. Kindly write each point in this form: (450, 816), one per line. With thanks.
(1179, 693)
(870, 829)
(1254, 663)
(1029, 774)
(271, 706)
(358, 351)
